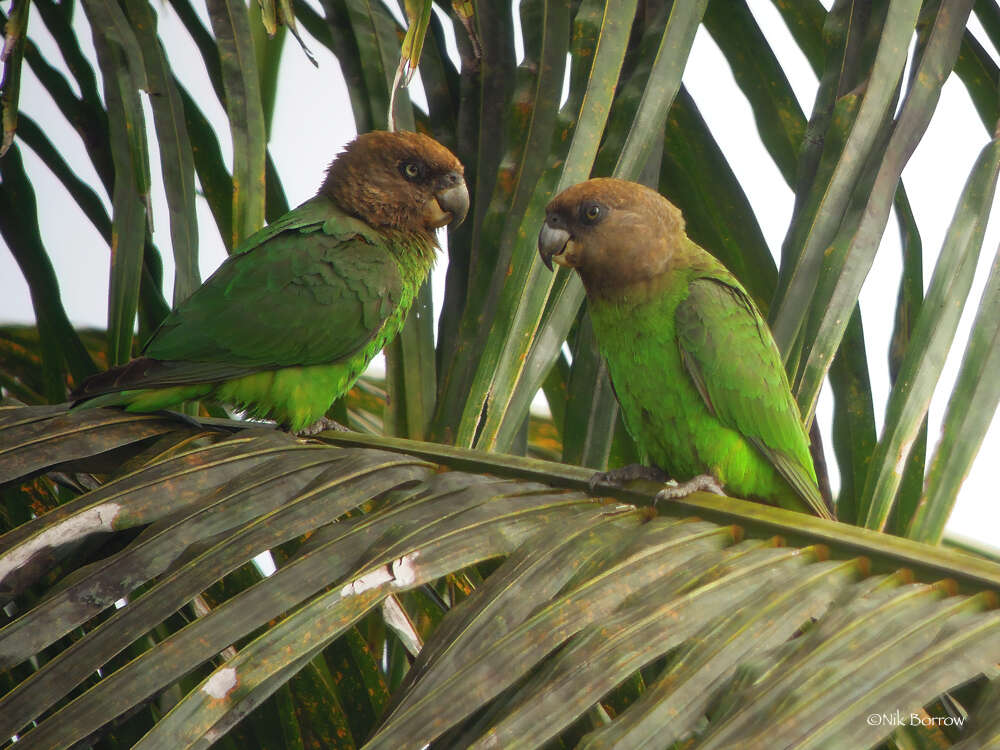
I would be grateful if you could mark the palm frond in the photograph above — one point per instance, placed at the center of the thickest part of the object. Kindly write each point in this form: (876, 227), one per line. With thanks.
(715, 602)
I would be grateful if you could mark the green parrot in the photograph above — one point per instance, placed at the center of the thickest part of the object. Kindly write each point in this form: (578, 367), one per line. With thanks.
(290, 320)
(694, 367)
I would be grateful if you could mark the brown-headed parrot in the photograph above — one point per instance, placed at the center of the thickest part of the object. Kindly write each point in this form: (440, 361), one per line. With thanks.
(290, 320)
(696, 372)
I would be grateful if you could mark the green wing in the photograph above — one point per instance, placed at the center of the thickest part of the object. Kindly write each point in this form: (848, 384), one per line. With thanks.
(316, 213)
(313, 288)
(727, 349)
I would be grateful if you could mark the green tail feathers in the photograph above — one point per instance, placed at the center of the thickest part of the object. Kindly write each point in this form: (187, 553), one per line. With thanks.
(149, 399)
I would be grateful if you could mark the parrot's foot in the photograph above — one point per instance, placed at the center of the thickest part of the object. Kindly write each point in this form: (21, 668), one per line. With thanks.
(321, 425)
(700, 483)
(618, 477)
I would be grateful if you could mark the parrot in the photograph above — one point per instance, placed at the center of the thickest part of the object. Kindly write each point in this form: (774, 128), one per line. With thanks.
(698, 377)
(291, 319)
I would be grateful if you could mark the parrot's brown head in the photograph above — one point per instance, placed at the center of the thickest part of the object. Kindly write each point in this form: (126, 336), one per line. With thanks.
(614, 233)
(400, 180)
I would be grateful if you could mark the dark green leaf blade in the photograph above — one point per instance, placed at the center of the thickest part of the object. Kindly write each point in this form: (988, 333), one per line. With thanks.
(819, 215)
(15, 34)
(845, 263)
(131, 185)
(246, 115)
(176, 160)
(61, 346)
(970, 411)
(932, 337)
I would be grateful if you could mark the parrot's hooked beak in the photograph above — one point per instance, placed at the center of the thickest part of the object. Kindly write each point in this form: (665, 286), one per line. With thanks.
(552, 242)
(450, 204)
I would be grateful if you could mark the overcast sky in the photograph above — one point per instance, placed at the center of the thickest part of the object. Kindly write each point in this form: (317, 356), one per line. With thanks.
(312, 122)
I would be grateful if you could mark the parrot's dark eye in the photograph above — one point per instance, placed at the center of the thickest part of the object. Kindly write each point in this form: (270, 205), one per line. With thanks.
(591, 213)
(412, 170)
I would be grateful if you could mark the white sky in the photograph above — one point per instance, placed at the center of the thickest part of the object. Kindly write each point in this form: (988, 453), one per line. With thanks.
(312, 122)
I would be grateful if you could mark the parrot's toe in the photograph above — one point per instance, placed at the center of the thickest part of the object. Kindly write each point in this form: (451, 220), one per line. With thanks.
(700, 483)
(321, 425)
(619, 477)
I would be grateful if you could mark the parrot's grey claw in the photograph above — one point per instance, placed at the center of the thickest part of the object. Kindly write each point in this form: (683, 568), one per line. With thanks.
(618, 477)
(700, 483)
(321, 425)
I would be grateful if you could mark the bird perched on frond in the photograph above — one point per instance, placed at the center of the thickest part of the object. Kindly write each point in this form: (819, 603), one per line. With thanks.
(290, 320)
(696, 372)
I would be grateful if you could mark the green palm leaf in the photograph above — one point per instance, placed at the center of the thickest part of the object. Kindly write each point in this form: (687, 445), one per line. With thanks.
(591, 590)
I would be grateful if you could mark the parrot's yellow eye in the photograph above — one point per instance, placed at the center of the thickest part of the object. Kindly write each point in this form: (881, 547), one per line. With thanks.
(411, 170)
(592, 213)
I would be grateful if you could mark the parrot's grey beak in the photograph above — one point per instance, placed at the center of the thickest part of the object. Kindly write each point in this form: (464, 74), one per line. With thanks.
(453, 201)
(552, 243)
